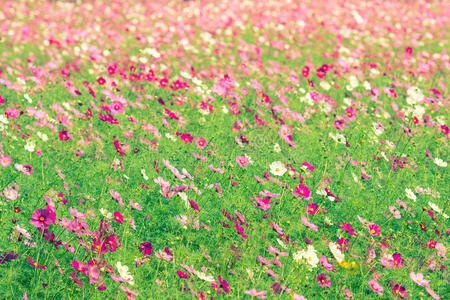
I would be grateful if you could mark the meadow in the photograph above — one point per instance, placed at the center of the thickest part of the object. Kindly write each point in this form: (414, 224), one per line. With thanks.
(224, 149)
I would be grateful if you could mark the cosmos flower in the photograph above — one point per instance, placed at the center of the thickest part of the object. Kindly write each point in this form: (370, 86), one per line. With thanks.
(324, 280)
(201, 143)
(376, 287)
(146, 248)
(440, 162)
(5, 160)
(255, 293)
(374, 229)
(303, 190)
(118, 217)
(410, 194)
(42, 218)
(277, 168)
(242, 161)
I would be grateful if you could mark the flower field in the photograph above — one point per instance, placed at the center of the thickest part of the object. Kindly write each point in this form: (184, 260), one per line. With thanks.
(224, 149)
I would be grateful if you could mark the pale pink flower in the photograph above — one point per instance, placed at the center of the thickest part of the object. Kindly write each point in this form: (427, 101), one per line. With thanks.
(5, 160)
(242, 161)
(419, 279)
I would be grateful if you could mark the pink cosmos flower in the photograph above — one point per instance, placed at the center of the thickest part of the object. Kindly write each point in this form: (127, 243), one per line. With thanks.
(432, 293)
(242, 161)
(255, 293)
(347, 227)
(324, 280)
(201, 143)
(5, 160)
(324, 262)
(11, 113)
(374, 229)
(348, 293)
(376, 287)
(303, 190)
(42, 218)
(116, 108)
(308, 224)
(298, 297)
(419, 279)
(27, 169)
(395, 212)
(10, 193)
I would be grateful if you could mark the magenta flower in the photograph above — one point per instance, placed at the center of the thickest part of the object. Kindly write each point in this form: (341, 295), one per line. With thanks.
(242, 161)
(348, 228)
(118, 217)
(64, 135)
(222, 284)
(181, 274)
(311, 208)
(146, 248)
(376, 287)
(27, 169)
(374, 229)
(77, 281)
(303, 190)
(193, 205)
(398, 290)
(324, 280)
(186, 138)
(42, 218)
(398, 260)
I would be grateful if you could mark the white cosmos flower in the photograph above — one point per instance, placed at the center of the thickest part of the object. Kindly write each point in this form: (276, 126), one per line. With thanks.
(43, 136)
(204, 276)
(440, 162)
(338, 138)
(144, 175)
(321, 192)
(410, 194)
(170, 137)
(310, 255)
(123, 271)
(277, 168)
(435, 207)
(277, 148)
(338, 255)
(30, 146)
(105, 213)
(184, 197)
(325, 85)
